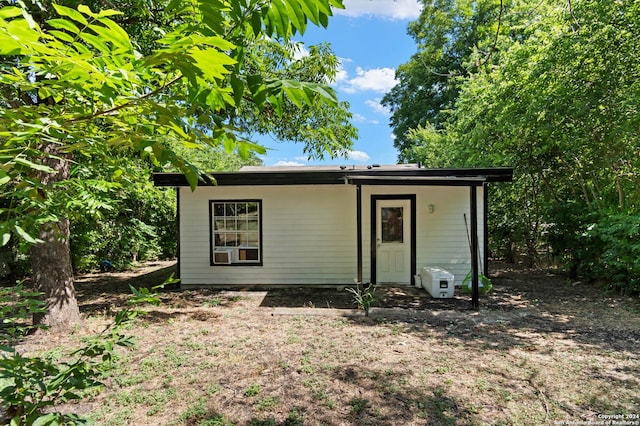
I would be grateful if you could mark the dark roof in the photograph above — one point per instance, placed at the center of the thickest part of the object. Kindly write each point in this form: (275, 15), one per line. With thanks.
(401, 174)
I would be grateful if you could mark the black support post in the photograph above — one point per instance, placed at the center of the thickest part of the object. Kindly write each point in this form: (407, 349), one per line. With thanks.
(475, 293)
(359, 231)
(178, 254)
(485, 229)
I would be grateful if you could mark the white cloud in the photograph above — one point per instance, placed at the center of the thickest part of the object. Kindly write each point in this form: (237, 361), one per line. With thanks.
(288, 164)
(341, 73)
(300, 51)
(379, 80)
(390, 9)
(376, 106)
(359, 118)
(358, 156)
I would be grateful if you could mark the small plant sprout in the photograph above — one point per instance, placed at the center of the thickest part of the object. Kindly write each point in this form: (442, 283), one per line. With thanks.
(364, 297)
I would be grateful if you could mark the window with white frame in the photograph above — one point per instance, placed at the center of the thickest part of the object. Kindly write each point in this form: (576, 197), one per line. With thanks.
(236, 232)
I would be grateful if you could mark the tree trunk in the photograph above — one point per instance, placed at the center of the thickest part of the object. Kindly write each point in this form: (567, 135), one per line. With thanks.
(51, 268)
(52, 274)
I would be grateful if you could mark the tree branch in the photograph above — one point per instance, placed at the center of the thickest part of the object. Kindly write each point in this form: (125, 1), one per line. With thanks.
(495, 40)
(129, 103)
(573, 15)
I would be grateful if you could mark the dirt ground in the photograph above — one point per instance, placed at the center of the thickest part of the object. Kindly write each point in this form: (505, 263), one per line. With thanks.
(542, 349)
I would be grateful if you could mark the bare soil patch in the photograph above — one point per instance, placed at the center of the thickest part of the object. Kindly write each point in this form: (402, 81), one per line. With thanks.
(541, 349)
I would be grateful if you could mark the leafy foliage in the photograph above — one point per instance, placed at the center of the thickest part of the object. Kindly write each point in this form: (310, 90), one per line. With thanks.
(136, 222)
(324, 130)
(554, 92)
(17, 306)
(451, 35)
(82, 93)
(79, 84)
(603, 245)
(31, 384)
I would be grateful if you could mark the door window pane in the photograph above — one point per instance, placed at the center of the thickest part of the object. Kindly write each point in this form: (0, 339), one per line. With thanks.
(392, 227)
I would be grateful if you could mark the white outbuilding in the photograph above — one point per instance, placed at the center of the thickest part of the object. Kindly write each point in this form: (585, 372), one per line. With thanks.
(331, 225)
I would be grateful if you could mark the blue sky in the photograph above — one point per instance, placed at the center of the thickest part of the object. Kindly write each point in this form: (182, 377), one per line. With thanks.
(370, 39)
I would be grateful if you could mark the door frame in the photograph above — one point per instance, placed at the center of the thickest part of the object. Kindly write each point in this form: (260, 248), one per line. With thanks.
(412, 232)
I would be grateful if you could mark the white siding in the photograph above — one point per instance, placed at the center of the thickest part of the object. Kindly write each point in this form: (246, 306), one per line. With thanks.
(441, 237)
(309, 236)
(309, 233)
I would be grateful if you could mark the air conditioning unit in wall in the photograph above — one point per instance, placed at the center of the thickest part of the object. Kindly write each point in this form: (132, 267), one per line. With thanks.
(222, 256)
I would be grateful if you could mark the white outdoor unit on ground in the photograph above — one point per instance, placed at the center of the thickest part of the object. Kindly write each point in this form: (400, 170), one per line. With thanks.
(438, 282)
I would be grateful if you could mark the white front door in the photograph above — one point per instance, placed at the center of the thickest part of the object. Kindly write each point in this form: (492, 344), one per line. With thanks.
(393, 241)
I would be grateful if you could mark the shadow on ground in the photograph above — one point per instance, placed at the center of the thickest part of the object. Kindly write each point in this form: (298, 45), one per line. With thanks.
(524, 305)
(338, 298)
(103, 290)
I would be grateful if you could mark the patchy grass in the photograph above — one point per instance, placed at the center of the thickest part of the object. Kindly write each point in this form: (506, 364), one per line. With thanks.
(541, 350)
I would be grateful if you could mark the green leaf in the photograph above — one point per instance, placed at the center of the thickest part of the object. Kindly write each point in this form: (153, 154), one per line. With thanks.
(40, 167)
(213, 41)
(63, 24)
(109, 34)
(17, 34)
(256, 23)
(62, 36)
(310, 9)
(85, 9)
(96, 42)
(22, 233)
(73, 14)
(293, 11)
(9, 46)
(277, 16)
(229, 145)
(296, 92)
(258, 89)
(4, 178)
(109, 12)
(212, 63)
(192, 176)
(117, 34)
(238, 89)
(51, 419)
(10, 12)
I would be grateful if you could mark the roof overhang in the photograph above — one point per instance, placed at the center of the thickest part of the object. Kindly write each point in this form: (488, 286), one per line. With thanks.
(372, 175)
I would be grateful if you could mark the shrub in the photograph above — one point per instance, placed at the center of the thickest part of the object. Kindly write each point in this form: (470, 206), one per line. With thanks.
(17, 307)
(617, 238)
(29, 385)
(599, 246)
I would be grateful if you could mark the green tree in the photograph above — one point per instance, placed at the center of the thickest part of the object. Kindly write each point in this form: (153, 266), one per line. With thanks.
(454, 38)
(560, 103)
(324, 130)
(82, 90)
